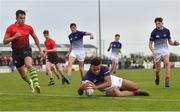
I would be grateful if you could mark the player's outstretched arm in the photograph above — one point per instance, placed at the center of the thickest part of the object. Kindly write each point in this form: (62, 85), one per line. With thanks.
(90, 34)
(106, 84)
(173, 43)
(7, 39)
(151, 47)
(109, 47)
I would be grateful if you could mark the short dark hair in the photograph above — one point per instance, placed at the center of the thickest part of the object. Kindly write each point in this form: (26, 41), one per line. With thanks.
(45, 32)
(72, 24)
(96, 61)
(117, 35)
(158, 19)
(20, 12)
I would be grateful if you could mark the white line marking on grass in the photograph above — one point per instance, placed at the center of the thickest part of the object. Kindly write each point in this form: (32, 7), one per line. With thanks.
(35, 94)
(98, 97)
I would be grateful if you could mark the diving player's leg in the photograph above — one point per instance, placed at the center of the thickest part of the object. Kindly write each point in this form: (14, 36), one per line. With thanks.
(120, 87)
(123, 87)
(131, 86)
(117, 92)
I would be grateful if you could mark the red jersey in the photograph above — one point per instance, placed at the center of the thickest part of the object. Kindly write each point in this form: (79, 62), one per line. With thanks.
(50, 44)
(23, 40)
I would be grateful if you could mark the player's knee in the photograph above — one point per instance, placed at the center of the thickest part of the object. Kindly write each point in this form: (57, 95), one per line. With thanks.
(57, 67)
(158, 70)
(28, 65)
(135, 87)
(166, 64)
(48, 71)
(80, 66)
(111, 92)
(69, 64)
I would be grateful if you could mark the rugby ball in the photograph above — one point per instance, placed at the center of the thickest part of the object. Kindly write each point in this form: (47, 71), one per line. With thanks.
(89, 90)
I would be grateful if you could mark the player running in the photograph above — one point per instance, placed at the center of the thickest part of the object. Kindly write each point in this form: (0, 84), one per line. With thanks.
(76, 50)
(52, 63)
(116, 47)
(18, 34)
(159, 47)
(110, 85)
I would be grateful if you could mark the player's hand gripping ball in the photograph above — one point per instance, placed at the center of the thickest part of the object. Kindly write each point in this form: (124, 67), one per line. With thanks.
(88, 87)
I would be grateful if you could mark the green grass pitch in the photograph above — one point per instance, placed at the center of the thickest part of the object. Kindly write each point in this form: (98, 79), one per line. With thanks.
(15, 94)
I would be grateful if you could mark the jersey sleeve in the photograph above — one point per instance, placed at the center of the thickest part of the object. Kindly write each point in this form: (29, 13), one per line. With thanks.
(82, 33)
(111, 44)
(31, 30)
(70, 39)
(8, 32)
(106, 71)
(53, 44)
(120, 45)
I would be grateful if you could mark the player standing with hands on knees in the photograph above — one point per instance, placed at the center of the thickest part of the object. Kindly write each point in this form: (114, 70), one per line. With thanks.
(76, 50)
(158, 44)
(18, 34)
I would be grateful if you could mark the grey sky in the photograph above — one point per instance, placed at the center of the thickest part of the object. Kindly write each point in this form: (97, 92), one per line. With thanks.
(133, 19)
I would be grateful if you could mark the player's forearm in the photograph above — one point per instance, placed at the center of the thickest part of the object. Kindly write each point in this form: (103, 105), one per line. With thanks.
(103, 86)
(171, 42)
(70, 49)
(8, 40)
(109, 49)
(151, 47)
(90, 34)
(37, 44)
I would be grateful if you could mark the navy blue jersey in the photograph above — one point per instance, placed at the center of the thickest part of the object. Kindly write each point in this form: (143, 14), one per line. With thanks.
(76, 39)
(160, 38)
(116, 46)
(97, 79)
